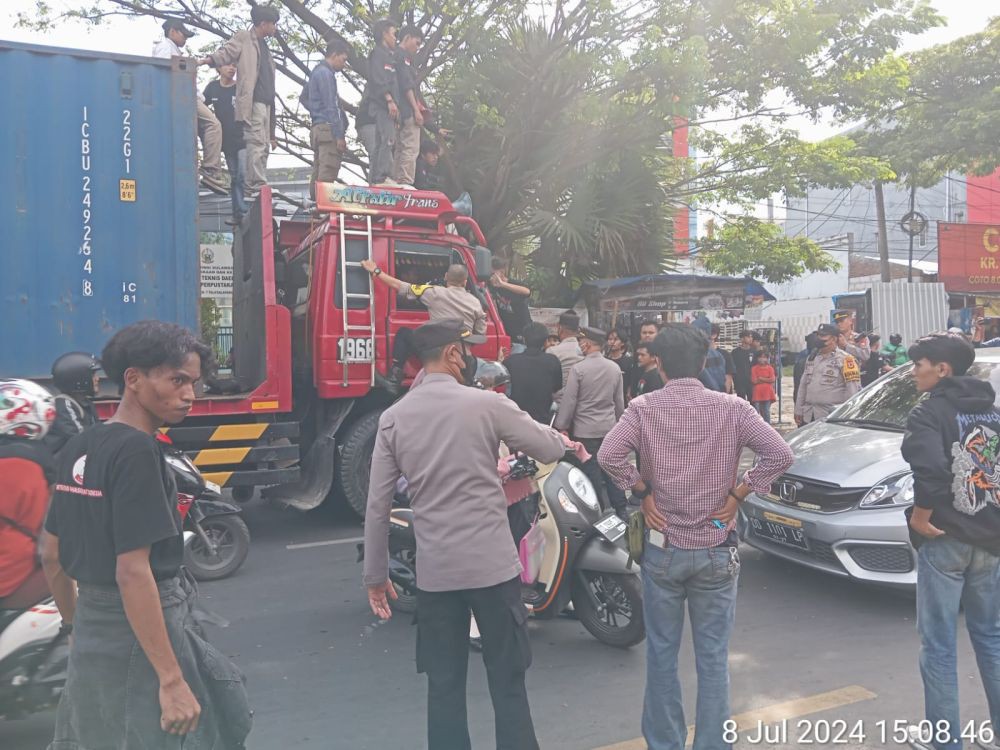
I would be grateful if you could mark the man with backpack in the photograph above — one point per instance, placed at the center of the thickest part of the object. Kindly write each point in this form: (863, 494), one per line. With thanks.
(952, 444)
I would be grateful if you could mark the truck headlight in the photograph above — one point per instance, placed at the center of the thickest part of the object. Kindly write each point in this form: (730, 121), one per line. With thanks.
(583, 489)
(896, 490)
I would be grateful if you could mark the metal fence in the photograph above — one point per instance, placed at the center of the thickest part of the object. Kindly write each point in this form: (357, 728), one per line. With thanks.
(223, 342)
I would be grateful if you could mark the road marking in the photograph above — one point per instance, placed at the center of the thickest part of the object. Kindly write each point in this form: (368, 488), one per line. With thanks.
(327, 543)
(777, 712)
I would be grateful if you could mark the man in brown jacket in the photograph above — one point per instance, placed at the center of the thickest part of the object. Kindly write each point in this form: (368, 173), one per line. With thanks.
(255, 78)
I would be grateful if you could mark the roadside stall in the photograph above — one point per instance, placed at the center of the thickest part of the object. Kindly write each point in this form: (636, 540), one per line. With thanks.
(626, 302)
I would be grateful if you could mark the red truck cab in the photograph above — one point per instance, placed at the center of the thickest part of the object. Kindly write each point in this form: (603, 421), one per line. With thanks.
(310, 330)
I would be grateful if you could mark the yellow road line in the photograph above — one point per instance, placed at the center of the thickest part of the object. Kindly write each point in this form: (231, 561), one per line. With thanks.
(777, 712)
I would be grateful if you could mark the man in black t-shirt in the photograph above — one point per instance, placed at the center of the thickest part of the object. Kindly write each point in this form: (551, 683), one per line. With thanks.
(648, 378)
(511, 299)
(220, 95)
(114, 530)
(743, 357)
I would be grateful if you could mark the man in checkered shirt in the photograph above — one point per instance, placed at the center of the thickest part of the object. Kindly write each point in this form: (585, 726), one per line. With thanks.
(688, 440)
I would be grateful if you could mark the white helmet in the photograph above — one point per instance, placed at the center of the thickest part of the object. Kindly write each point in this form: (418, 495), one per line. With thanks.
(27, 410)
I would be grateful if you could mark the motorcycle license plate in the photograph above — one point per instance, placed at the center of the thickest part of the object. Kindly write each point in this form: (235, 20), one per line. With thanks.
(611, 528)
(213, 487)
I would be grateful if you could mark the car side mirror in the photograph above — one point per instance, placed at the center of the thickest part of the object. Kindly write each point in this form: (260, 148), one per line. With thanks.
(484, 262)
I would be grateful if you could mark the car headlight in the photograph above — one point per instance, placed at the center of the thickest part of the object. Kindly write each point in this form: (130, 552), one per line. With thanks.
(897, 490)
(583, 489)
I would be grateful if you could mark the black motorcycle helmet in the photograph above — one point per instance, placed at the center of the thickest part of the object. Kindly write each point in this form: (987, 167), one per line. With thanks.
(895, 339)
(74, 373)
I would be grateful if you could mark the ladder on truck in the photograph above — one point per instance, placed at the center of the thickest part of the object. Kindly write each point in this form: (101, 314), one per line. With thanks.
(357, 345)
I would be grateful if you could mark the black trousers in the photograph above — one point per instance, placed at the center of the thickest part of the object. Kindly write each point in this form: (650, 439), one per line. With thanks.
(403, 347)
(443, 655)
(609, 494)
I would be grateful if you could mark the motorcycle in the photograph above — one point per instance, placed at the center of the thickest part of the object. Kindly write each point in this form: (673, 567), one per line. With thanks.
(581, 559)
(221, 539)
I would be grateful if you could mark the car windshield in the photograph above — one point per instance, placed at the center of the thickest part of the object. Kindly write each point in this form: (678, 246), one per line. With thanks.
(889, 401)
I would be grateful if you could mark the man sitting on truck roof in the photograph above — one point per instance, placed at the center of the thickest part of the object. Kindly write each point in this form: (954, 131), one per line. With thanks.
(450, 301)
(175, 36)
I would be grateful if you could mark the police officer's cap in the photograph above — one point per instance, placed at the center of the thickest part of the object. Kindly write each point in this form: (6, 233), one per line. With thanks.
(827, 329)
(839, 315)
(593, 334)
(175, 25)
(264, 14)
(443, 332)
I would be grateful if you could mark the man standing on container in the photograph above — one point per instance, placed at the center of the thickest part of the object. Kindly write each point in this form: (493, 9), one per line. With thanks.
(688, 441)
(220, 95)
(320, 97)
(592, 402)
(255, 81)
(468, 563)
(175, 36)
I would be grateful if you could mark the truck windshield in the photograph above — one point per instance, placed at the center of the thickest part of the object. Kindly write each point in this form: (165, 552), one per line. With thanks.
(888, 401)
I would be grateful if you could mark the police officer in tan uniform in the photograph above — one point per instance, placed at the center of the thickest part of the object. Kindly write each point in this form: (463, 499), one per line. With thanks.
(442, 302)
(853, 343)
(831, 376)
(592, 402)
(445, 439)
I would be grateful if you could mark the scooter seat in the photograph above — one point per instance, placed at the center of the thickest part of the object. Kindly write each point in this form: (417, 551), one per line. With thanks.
(34, 590)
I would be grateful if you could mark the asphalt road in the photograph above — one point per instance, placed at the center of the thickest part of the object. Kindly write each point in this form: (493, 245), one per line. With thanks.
(323, 673)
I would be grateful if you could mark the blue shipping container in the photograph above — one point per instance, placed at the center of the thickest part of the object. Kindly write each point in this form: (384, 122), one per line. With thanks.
(98, 200)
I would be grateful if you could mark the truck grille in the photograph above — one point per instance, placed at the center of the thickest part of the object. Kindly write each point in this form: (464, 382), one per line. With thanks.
(882, 559)
(821, 497)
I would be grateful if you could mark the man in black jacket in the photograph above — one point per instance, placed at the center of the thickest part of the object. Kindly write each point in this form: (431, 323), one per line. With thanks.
(378, 118)
(535, 375)
(952, 444)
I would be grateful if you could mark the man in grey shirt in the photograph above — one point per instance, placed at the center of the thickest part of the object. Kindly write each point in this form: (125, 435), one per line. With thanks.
(467, 561)
(568, 349)
(592, 402)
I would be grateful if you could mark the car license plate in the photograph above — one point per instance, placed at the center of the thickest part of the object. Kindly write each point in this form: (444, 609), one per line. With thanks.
(780, 533)
(611, 527)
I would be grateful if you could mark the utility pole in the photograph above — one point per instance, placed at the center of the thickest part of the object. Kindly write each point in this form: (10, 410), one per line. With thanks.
(883, 237)
(913, 201)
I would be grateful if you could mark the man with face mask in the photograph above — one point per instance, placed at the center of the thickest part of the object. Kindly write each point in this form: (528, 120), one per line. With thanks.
(467, 562)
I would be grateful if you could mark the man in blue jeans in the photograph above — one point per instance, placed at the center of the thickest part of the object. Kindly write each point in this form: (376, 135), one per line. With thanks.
(688, 440)
(952, 444)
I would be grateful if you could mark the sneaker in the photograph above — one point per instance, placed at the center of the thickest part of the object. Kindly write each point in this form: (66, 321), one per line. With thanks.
(914, 739)
(215, 183)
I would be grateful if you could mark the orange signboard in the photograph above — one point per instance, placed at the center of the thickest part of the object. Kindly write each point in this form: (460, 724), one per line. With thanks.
(969, 257)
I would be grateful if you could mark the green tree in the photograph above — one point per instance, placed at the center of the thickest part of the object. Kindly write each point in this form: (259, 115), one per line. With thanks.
(563, 112)
(746, 246)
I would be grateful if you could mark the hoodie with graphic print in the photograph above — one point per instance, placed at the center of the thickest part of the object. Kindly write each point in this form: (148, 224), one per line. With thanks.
(952, 444)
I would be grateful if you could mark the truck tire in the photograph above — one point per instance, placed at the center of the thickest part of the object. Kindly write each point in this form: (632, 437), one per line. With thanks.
(354, 460)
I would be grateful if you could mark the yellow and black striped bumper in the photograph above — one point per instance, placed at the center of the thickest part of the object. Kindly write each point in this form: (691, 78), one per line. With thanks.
(242, 455)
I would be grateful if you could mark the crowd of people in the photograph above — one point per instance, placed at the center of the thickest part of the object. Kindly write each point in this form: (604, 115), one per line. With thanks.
(236, 112)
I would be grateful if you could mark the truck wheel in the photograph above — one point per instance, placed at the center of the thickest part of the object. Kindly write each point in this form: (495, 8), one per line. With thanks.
(354, 460)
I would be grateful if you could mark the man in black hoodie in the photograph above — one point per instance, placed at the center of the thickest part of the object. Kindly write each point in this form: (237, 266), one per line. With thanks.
(952, 444)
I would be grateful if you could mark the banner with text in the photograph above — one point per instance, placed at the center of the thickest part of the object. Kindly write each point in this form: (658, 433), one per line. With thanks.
(969, 257)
